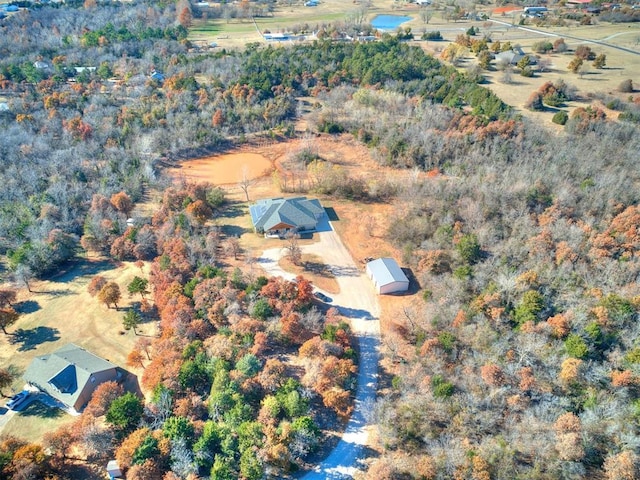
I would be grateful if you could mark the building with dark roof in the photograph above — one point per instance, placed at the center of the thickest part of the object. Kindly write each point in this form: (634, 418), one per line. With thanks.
(278, 216)
(70, 375)
(387, 276)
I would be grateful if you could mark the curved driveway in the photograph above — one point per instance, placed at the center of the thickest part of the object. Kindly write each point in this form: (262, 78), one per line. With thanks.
(358, 301)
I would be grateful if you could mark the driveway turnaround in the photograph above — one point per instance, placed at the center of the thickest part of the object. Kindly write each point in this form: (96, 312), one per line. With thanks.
(357, 301)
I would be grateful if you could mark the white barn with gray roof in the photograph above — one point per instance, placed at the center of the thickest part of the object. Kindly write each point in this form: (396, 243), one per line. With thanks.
(70, 375)
(277, 216)
(387, 276)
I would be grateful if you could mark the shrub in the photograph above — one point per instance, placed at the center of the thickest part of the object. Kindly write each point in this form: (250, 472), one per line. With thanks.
(560, 117)
(626, 86)
(585, 53)
(435, 35)
(441, 388)
(559, 46)
(542, 47)
(469, 248)
(534, 102)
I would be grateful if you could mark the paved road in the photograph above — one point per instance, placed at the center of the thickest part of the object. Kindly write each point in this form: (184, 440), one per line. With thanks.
(358, 301)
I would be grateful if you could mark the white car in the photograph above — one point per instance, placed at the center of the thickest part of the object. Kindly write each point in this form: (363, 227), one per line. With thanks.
(423, 2)
(17, 400)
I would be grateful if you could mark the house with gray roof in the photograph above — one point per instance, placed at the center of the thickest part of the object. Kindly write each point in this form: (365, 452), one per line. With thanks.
(387, 276)
(70, 375)
(278, 216)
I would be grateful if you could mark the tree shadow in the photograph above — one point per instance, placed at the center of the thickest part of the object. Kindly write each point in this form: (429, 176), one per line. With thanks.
(40, 410)
(28, 306)
(234, 230)
(318, 268)
(81, 268)
(33, 337)
(232, 210)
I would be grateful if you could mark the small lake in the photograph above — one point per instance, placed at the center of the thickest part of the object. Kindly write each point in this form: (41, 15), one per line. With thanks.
(388, 22)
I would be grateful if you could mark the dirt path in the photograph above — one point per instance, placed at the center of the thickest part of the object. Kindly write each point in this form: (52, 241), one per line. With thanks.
(357, 301)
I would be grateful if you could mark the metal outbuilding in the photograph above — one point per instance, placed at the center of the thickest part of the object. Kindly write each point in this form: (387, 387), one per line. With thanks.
(387, 276)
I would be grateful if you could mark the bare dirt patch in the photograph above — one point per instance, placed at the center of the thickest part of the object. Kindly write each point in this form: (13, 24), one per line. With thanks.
(224, 169)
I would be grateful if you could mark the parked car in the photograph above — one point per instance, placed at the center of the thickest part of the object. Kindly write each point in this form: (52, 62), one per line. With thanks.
(17, 400)
(311, 3)
(323, 297)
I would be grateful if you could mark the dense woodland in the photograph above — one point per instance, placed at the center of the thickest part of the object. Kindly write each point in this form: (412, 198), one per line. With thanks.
(520, 357)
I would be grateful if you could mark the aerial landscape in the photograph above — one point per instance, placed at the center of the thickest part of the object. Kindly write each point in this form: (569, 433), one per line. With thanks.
(320, 239)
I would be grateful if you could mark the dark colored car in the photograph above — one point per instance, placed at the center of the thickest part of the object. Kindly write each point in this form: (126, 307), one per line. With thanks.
(17, 400)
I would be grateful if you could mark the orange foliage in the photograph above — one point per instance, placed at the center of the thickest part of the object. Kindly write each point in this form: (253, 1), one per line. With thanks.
(492, 375)
(527, 380)
(570, 370)
(624, 378)
(621, 239)
(560, 325)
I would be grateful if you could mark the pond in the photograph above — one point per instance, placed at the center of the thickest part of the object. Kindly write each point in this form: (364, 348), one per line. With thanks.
(389, 22)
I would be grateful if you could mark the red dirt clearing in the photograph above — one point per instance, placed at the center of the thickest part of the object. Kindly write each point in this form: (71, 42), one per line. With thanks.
(224, 169)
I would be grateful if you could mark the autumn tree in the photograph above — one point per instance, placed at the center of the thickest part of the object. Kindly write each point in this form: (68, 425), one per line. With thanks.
(96, 284)
(122, 203)
(600, 61)
(7, 297)
(135, 359)
(109, 294)
(575, 65)
(60, 441)
(102, 398)
(8, 316)
(623, 466)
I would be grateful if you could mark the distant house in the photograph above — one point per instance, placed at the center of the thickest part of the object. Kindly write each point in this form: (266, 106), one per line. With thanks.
(513, 56)
(277, 216)
(157, 76)
(70, 375)
(40, 65)
(387, 276)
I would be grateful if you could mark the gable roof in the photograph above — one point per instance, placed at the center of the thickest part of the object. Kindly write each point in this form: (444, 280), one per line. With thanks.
(64, 373)
(285, 213)
(385, 271)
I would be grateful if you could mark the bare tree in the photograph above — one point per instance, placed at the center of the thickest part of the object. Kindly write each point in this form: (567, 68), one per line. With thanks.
(293, 248)
(232, 247)
(245, 181)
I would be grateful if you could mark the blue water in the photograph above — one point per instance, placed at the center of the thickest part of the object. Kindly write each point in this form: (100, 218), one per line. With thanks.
(388, 22)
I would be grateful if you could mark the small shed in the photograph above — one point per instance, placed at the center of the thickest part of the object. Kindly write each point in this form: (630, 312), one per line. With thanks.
(387, 276)
(113, 470)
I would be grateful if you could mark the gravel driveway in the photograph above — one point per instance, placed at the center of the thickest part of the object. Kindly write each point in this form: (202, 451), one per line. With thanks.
(358, 301)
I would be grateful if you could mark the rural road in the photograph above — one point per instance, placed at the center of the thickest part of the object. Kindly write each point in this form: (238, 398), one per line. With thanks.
(357, 301)
(565, 35)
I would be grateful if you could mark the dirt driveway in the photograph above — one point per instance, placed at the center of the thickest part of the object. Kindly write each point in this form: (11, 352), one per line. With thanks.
(357, 301)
